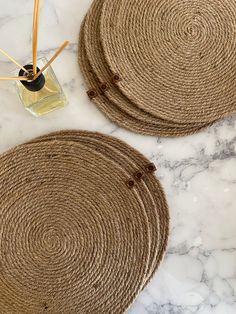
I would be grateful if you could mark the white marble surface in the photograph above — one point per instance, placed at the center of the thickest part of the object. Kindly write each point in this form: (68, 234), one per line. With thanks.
(198, 173)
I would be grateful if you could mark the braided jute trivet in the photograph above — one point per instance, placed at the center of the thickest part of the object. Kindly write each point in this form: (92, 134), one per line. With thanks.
(116, 114)
(98, 63)
(175, 59)
(75, 237)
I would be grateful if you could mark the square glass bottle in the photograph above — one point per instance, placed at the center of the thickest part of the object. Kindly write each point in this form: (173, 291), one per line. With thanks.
(43, 95)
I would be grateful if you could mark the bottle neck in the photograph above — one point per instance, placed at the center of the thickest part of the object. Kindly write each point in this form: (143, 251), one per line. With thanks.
(33, 86)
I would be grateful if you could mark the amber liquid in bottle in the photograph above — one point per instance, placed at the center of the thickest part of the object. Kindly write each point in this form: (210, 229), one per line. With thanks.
(44, 98)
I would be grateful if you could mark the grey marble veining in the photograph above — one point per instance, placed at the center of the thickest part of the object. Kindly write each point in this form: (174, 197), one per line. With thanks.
(198, 274)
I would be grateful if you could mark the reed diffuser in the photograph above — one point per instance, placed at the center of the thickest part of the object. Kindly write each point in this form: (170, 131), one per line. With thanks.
(37, 85)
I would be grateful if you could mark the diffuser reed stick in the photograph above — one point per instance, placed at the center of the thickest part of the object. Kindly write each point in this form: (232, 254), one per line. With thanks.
(12, 60)
(35, 34)
(16, 78)
(35, 75)
(59, 51)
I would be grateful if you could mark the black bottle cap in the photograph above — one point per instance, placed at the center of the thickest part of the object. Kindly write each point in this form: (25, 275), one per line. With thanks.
(33, 86)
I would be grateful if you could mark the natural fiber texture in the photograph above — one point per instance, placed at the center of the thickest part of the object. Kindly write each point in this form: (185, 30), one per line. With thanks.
(118, 115)
(100, 68)
(175, 59)
(116, 149)
(74, 237)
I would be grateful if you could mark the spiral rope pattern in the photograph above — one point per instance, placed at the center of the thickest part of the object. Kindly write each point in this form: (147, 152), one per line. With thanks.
(176, 58)
(74, 238)
(119, 113)
(98, 63)
(162, 67)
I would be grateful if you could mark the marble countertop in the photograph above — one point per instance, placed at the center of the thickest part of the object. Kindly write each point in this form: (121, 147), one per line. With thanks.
(198, 172)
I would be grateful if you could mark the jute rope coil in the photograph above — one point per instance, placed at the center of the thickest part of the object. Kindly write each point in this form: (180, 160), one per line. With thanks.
(175, 59)
(100, 68)
(75, 237)
(118, 114)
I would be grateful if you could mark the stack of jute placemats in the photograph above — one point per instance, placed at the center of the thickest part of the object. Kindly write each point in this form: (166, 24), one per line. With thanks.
(161, 67)
(83, 225)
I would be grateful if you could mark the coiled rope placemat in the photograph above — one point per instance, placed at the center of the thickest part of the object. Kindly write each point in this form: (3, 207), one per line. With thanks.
(118, 114)
(163, 68)
(98, 63)
(176, 59)
(83, 225)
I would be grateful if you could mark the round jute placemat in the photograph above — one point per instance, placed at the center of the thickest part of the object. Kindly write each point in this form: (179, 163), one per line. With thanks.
(100, 68)
(78, 225)
(119, 116)
(158, 217)
(175, 59)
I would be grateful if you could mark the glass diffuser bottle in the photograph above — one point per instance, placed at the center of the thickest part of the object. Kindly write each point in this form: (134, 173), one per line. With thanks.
(37, 85)
(42, 95)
